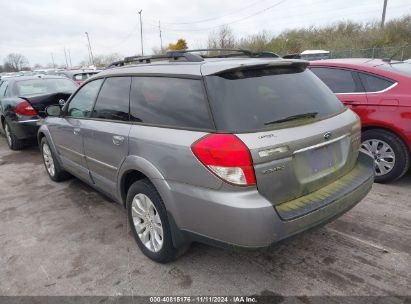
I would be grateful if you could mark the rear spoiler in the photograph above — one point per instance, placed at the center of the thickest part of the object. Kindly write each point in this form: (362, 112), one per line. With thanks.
(302, 64)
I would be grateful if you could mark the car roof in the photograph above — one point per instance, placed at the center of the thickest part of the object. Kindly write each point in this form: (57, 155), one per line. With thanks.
(32, 77)
(78, 71)
(201, 68)
(365, 62)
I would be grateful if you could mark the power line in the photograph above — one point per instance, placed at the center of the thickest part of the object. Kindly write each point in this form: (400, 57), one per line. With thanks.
(215, 18)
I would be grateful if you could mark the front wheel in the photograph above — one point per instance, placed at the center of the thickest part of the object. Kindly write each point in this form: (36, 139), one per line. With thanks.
(55, 172)
(391, 156)
(149, 222)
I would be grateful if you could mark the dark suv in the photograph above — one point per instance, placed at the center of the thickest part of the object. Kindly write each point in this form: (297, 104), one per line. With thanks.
(227, 151)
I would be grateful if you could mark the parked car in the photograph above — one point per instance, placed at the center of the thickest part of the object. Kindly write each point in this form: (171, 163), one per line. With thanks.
(23, 101)
(314, 55)
(78, 75)
(379, 92)
(232, 152)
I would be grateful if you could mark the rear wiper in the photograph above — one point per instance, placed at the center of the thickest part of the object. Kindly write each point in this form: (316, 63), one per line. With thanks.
(293, 117)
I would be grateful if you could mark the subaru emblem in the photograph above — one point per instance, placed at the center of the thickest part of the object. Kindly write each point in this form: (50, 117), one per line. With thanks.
(328, 135)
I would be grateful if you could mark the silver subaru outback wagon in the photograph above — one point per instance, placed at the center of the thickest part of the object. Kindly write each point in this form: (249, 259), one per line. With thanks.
(234, 152)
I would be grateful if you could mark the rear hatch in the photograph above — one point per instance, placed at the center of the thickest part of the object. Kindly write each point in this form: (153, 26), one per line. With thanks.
(300, 136)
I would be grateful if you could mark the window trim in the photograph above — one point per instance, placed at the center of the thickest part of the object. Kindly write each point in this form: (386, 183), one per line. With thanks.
(356, 77)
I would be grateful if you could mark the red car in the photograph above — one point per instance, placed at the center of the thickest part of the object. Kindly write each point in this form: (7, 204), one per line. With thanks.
(380, 93)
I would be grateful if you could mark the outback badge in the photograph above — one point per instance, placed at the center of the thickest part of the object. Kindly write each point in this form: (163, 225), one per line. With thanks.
(328, 135)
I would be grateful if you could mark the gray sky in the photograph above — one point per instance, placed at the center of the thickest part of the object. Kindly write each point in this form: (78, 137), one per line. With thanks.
(37, 28)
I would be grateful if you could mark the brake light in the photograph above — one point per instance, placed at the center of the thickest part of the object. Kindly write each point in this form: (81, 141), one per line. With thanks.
(226, 156)
(25, 109)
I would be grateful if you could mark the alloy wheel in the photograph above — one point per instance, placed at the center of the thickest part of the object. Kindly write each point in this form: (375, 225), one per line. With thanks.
(383, 154)
(48, 160)
(147, 222)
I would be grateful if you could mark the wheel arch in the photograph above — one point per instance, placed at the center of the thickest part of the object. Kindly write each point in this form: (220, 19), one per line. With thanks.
(391, 130)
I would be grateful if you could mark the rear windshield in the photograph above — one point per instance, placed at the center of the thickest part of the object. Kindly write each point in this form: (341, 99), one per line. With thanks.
(249, 100)
(403, 68)
(44, 86)
(82, 76)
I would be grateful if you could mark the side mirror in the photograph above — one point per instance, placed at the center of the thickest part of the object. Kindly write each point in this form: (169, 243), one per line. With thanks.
(62, 102)
(54, 110)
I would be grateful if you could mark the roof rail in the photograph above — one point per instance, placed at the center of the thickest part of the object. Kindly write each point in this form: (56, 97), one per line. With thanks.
(188, 56)
(244, 52)
(172, 56)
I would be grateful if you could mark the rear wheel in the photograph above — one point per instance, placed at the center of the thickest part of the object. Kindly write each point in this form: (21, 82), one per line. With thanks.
(391, 156)
(149, 222)
(55, 172)
(13, 142)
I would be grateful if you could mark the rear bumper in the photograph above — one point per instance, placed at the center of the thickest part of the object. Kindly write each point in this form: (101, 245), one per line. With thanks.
(244, 218)
(25, 129)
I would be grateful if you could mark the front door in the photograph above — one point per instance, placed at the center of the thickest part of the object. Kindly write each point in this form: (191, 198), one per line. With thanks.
(67, 131)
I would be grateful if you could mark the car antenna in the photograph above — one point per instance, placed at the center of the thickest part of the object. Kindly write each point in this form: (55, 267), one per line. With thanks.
(395, 53)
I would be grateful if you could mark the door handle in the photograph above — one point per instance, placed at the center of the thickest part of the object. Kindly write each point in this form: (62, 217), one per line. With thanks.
(118, 140)
(76, 131)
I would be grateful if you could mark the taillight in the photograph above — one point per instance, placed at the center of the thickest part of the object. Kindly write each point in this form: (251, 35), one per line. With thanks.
(25, 108)
(227, 157)
(78, 82)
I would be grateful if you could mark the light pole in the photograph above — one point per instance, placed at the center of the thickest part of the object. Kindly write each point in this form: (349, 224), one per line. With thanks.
(384, 10)
(141, 33)
(89, 47)
(52, 59)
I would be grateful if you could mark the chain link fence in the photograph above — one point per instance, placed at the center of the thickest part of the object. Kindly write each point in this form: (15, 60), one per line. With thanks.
(396, 52)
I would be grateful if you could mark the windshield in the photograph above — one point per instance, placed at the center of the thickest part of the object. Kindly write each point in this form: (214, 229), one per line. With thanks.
(246, 100)
(403, 68)
(44, 86)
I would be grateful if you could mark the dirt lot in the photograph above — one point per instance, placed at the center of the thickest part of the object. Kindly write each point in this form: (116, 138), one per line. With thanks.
(66, 239)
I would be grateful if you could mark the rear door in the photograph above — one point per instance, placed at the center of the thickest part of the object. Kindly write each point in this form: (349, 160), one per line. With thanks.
(106, 133)
(67, 131)
(345, 84)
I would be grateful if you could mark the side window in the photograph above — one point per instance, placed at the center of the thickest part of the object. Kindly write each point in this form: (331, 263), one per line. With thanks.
(339, 81)
(82, 103)
(169, 101)
(373, 83)
(3, 88)
(113, 101)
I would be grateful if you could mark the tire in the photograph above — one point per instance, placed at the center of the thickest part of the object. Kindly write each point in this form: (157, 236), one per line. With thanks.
(136, 203)
(53, 168)
(13, 142)
(392, 158)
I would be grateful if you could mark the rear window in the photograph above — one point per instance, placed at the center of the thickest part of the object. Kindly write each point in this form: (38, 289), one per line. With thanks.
(174, 102)
(247, 100)
(403, 68)
(373, 83)
(43, 86)
(82, 76)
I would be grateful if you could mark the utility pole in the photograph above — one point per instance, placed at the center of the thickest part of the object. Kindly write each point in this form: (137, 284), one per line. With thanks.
(161, 38)
(141, 33)
(89, 46)
(383, 13)
(52, 60)
(69, 56)
(65, 55)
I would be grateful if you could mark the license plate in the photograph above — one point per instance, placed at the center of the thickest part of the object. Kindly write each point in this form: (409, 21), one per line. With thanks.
(320, 159)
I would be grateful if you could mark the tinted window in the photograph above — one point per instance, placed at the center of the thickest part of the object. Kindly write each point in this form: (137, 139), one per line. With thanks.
(339, 81)
(248, 100)
(373, 83)
(113, 99)
(169, 101)
(82, 103)
(43, 86)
